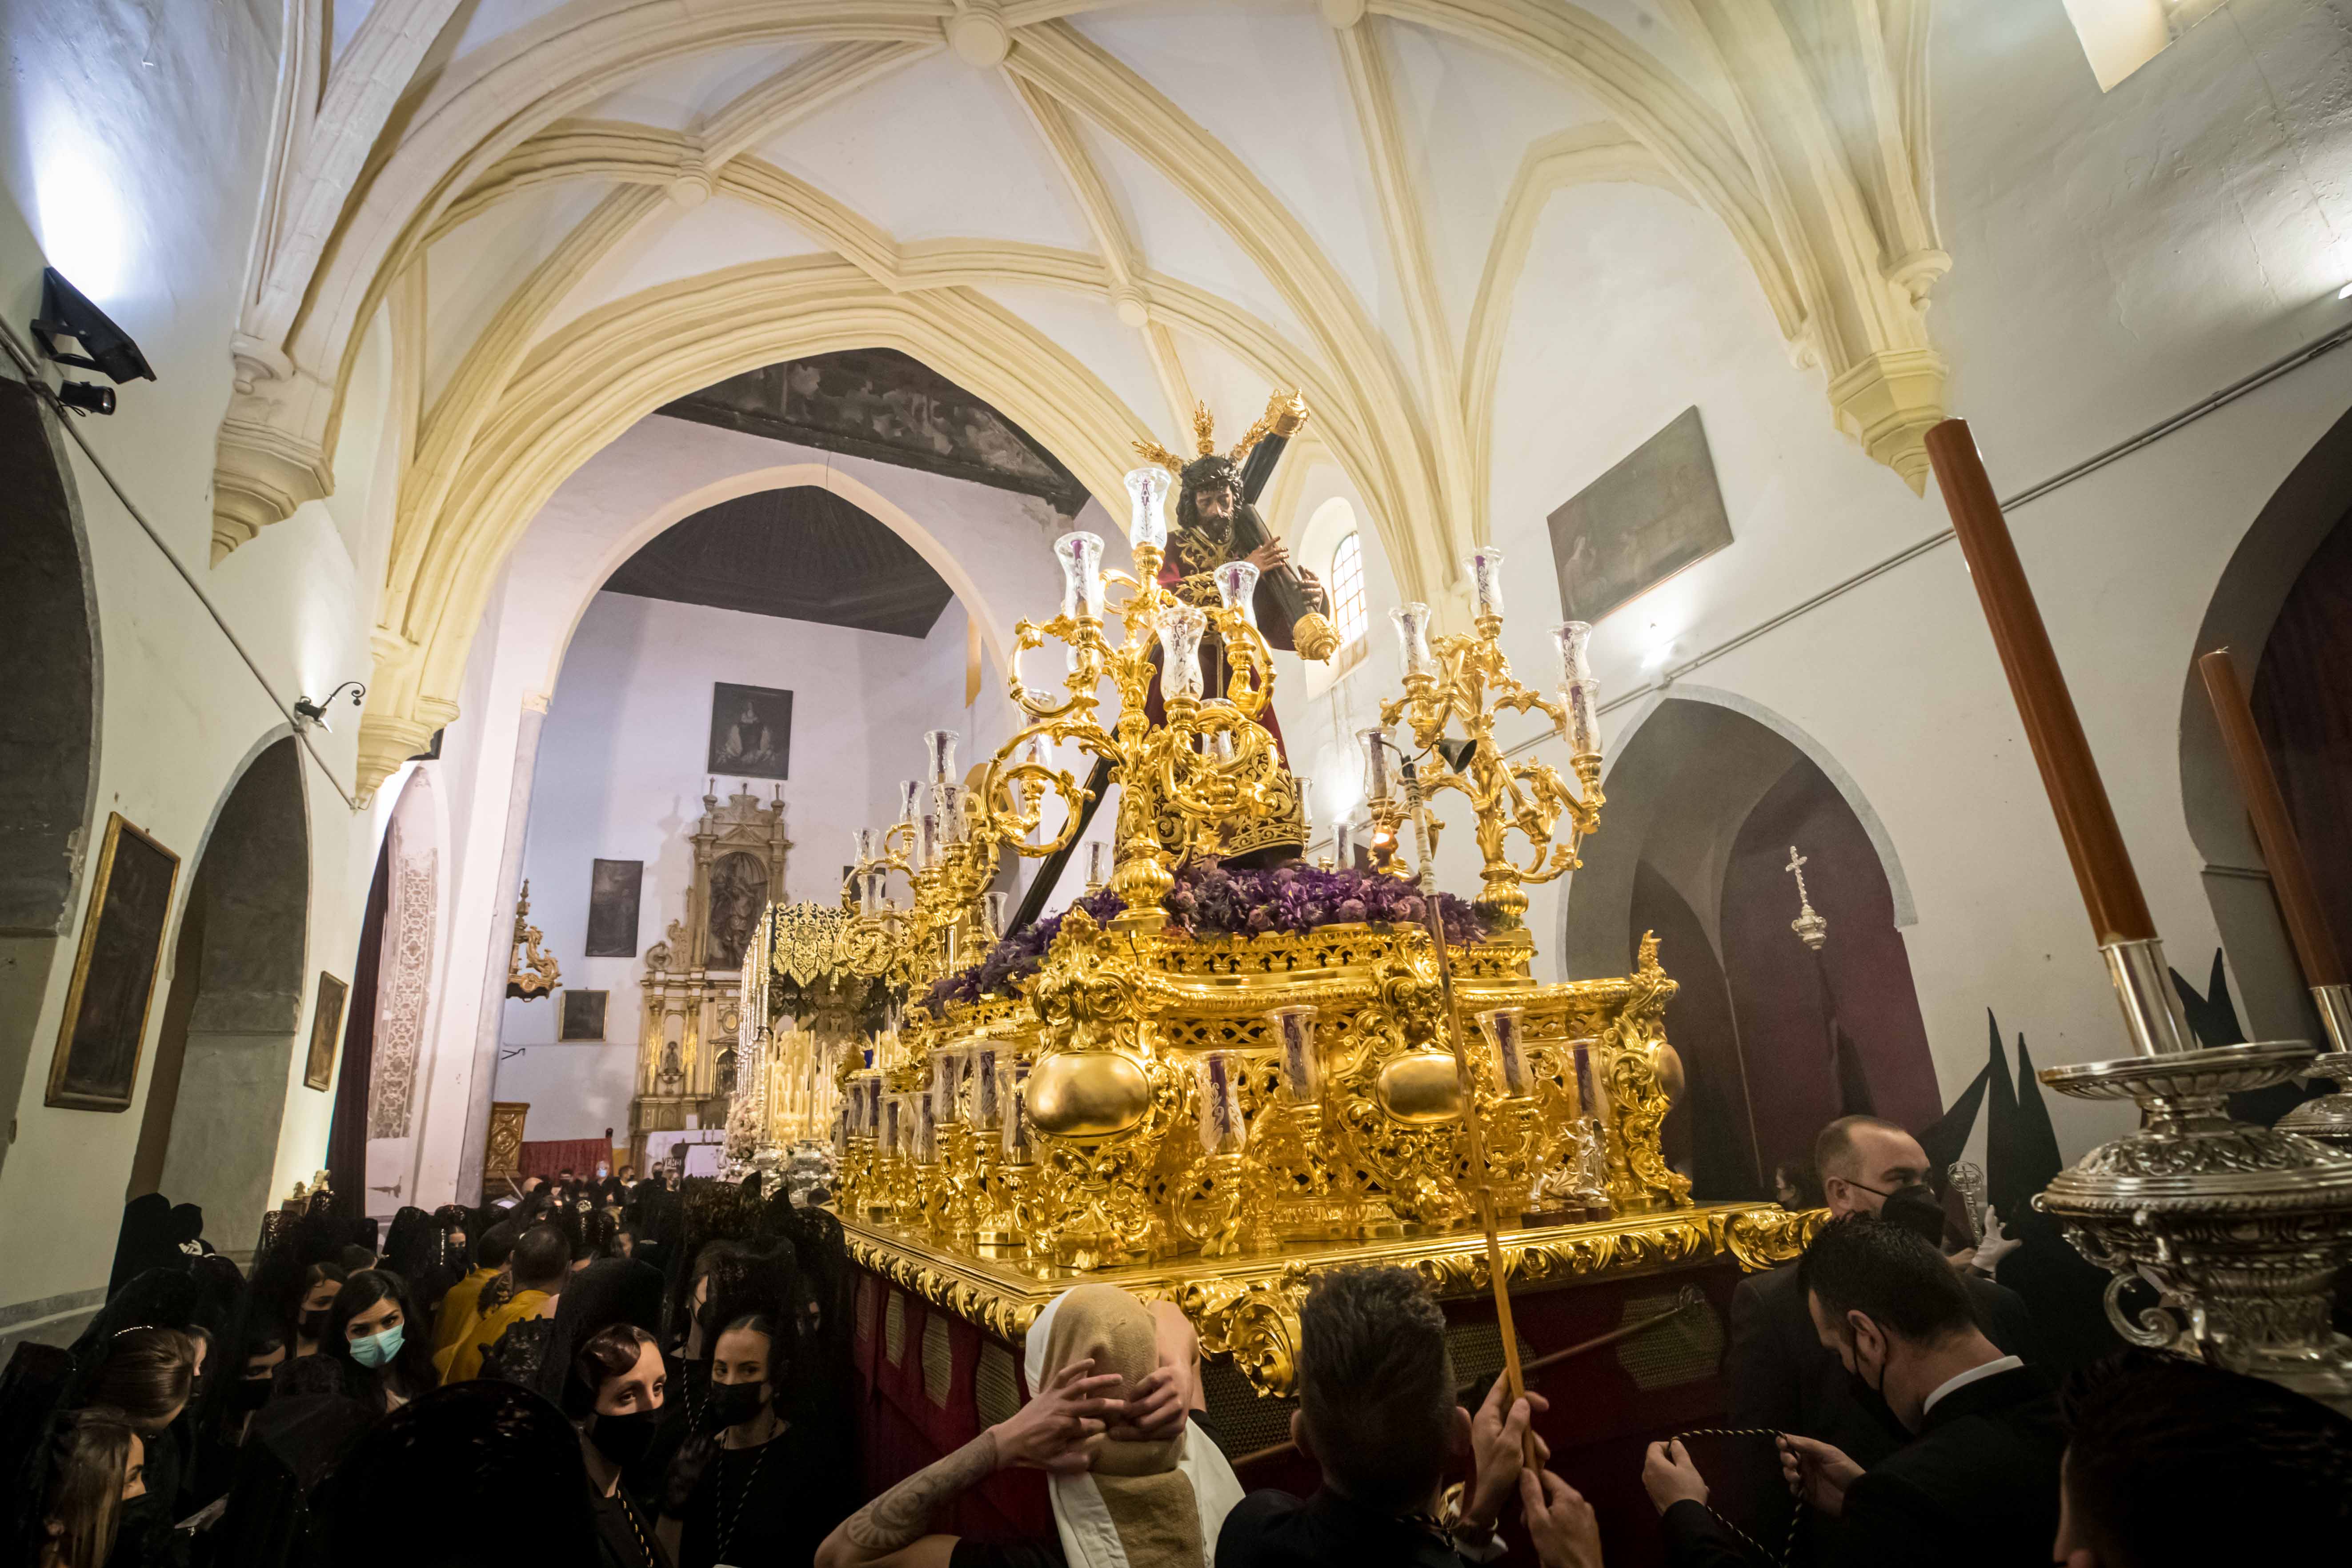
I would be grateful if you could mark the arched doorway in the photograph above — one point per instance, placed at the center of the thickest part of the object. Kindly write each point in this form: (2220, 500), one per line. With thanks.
(1705, 803)
(48, 742)
(233, 1015)
(2279, 608)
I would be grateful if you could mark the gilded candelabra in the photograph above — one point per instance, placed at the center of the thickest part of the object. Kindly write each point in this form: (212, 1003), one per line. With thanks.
(1207, 764)
(1454, 688)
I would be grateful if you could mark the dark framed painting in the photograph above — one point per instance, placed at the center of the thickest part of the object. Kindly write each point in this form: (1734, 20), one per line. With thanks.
(96, 1063)
(750, 732)
(584, 1016)
(1656, 512)
(612, 888)
(326, 1031)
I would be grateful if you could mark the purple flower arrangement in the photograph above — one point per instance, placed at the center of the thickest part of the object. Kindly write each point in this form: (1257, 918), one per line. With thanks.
(1212, 899)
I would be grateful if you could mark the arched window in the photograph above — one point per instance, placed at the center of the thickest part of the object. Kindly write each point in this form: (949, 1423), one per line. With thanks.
(1348, 588)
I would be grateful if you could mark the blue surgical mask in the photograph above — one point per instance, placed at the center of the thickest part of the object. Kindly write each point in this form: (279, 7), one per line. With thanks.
(377, 1349)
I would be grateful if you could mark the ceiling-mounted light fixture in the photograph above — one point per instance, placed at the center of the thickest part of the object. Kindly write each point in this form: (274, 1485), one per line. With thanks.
(71, 331)
(307, 713)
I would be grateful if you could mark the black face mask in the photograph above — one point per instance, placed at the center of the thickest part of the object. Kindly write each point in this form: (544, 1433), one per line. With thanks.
(1914, 1208)
(1873, 1403)
(623, 1438)
(314, 1324)
(733, 1403)
(250, 1394)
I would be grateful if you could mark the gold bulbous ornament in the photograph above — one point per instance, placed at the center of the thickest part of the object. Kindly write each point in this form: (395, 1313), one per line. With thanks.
(1420, 1089)
(1087, 1094)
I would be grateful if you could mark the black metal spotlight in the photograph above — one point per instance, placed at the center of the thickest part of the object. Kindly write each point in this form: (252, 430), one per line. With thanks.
(307, 713)
(86, 396)
(71, 331)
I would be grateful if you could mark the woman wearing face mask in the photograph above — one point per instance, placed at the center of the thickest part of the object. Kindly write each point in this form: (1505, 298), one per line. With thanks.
(368, 1329)
(619, 1375)
(742, 1493)
(320, 1287)
(145, 1377)
(96, 1465)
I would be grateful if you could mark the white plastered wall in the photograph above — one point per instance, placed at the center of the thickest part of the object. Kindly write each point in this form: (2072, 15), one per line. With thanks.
(145, 198)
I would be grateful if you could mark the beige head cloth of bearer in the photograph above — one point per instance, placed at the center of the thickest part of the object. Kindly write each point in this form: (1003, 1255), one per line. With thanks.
(1140, 1504)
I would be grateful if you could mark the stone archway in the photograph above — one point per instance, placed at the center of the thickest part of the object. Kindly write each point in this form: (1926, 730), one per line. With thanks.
(233, 1017)
(1706, 798)
(2293, 530)
(49, 724)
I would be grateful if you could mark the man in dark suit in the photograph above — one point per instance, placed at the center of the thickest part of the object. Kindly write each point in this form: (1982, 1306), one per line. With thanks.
(1976, 1483)
(1782, 1378)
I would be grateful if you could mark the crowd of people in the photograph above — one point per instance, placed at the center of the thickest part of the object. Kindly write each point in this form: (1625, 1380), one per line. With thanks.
(655, 1376)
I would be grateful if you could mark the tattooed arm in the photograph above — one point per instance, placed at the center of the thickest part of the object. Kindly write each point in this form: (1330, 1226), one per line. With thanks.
(1055, 1431)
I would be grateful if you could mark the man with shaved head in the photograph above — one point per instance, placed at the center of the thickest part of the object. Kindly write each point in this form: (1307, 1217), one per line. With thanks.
(1781, 1376)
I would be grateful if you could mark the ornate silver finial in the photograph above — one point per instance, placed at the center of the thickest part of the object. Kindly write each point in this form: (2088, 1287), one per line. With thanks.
(1810, 929)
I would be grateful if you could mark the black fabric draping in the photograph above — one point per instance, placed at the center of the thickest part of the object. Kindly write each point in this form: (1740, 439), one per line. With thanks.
(347, 1134)
(145, 1241)
(609, 1290)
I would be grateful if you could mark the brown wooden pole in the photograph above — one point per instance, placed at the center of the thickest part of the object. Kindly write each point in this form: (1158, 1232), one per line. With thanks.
(2298, 896)
(2102, 867)
(1691, 1298)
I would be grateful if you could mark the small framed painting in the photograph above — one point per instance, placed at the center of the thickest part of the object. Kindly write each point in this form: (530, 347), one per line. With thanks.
(326, 1031)
(1656, 512)
(750, 732)
(96, 1062)
(612, 890)
(584, 1016)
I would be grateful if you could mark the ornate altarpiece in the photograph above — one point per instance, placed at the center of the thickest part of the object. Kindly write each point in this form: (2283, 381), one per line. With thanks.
(693, 984)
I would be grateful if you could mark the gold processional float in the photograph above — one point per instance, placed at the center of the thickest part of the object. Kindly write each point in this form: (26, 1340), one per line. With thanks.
(1204, 1084)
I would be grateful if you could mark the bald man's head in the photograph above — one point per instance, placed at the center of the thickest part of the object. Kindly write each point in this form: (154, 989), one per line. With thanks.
(1862, 1159)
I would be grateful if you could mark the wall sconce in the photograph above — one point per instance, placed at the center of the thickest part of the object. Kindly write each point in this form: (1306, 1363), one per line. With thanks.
(71, 331)
(307, 713)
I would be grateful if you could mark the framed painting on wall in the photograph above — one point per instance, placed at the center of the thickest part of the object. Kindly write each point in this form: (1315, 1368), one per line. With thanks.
(584, 1016)
(612, 890)
(1657, 511)
(96, 1063)
(326, 1029)
(750, 732)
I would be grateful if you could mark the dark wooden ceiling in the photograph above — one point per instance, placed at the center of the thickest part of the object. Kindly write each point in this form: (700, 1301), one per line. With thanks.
(880, 404)
(801, 554)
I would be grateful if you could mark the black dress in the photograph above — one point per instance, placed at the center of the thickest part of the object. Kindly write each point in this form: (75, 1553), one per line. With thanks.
(760, 1505)
(625, 1530)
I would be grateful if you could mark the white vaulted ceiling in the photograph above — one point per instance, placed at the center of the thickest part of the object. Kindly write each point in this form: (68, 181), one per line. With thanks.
(1090, 214)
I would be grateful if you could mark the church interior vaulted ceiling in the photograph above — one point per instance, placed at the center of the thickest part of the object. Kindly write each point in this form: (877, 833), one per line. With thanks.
(571, 214)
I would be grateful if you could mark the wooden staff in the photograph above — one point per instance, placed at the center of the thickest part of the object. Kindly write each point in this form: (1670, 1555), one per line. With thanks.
(1472, 1132)
(2094, 844)
(1687, 1299)
(2298, 896)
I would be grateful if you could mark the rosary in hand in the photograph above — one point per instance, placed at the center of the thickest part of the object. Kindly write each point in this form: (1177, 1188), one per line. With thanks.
(1797, 1507)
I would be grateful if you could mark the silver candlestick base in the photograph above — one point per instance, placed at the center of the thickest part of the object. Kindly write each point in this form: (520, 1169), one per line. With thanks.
(2330, 1118)
(2241, 1229)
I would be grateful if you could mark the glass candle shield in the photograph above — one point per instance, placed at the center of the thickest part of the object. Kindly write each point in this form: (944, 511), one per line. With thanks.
(987, 1100)
(1146, 491)
(1217, 1075)
(1181, 627)
(1379, 765)
(911, 800)
(1297, 1058)
(1414, 657)
(1506, 1049)
(1082, 581)
(1237, 588)
(940, 747)
(1305, 809)
(1343, 845)
(893, 1139)
(1580, 694)
(1484, 566)
(1591, 1080)
(1098, 864)
(927, 1133)
(926, 841)
(869, 894)
(947, 1079)
(992, 915)
(1018, 1147)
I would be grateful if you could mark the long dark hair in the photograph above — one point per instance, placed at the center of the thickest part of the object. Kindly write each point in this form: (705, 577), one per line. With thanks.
(410, 1373)
(147, 1374)
(81, 1484)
